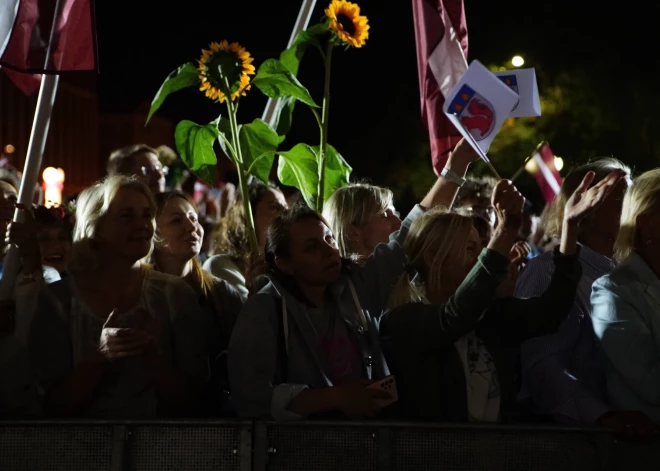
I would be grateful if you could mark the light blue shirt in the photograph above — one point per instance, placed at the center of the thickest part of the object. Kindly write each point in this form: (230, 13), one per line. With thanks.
(626, 320)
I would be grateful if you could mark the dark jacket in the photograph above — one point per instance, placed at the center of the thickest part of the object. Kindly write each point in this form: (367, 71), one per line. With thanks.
(419, 339)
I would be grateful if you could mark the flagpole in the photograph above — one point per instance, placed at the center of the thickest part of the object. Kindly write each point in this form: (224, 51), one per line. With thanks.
(482, 154)
(522, 167)
(302, 21)
(520, 170)
(35, 152)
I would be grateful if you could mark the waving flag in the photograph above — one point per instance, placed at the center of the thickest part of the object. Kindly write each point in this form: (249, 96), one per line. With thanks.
(479, 105)
(442, 43)
(25, 27)
(542, 167)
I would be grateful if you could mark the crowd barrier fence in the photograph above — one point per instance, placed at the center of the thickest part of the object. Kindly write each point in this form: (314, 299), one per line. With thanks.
(226, 445)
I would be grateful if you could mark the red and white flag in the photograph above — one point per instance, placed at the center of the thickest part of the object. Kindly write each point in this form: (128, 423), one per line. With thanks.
(25, 27)
(442, 43)
(542, 167)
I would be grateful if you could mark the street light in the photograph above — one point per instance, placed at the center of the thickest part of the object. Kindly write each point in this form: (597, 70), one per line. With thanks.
(517, 61)
(559, 163)
(9, 149)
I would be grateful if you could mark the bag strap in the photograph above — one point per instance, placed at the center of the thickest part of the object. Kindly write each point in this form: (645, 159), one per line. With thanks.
(283, 340)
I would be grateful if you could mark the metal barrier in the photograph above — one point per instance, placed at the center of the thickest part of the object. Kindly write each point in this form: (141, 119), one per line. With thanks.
(309, 446)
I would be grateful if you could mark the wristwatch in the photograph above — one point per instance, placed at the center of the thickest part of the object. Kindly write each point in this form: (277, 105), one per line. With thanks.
(452, 176)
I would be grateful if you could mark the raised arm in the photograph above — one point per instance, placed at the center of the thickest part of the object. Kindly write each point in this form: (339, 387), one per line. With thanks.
(524, 318)
(445, 189)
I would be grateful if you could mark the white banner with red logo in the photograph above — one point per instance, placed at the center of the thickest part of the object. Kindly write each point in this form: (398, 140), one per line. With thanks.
(479, 105)
(523, 82)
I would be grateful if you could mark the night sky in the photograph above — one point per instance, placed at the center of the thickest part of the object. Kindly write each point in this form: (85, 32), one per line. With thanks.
(375, 99)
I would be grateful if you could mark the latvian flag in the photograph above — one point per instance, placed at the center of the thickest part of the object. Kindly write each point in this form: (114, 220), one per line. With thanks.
(542, 167)
(25, 32)
(442, 42)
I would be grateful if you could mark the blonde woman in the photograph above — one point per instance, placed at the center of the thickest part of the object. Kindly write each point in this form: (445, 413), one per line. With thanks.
(179, 242)
(626, 303)
(116, 339)
(363, 216)
(449, 343)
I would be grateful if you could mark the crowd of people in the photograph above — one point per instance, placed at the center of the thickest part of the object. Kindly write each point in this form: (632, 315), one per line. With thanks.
(135, 306)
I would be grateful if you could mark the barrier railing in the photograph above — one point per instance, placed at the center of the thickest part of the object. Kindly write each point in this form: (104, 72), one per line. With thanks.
(309, 446)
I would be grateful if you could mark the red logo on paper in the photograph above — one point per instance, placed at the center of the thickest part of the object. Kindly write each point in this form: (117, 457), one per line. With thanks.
(478, 118)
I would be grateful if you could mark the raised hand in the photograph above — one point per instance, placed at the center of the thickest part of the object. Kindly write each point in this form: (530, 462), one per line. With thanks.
(585, 199)
(23, 234)
(464, 153)
(508, 203)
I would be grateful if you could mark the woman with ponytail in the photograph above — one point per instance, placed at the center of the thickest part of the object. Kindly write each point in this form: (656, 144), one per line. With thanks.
(451, 344)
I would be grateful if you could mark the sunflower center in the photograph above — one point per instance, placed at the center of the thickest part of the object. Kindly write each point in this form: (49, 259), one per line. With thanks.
(346, 23)
(223, 67)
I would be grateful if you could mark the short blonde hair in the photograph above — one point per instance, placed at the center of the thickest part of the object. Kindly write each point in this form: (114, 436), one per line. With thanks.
(435, 233)
(602, 168)
(92, 206)
(354, 205)
(642, 197)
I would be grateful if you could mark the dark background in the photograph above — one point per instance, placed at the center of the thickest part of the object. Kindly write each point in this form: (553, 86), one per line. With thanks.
(598, 60)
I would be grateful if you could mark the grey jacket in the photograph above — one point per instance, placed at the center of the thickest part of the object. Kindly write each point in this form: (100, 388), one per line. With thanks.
(256, 374)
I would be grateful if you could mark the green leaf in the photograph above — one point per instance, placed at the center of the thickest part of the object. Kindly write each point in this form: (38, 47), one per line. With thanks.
(185, 76)
(258, 143)
(291, 58)
(195, 146)
(276, 81)
(310, 37)
(283, 116)
(299, 168)
(337, 172)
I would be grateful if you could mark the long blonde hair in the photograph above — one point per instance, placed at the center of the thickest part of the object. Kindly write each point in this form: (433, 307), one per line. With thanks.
(431, 238)
(641, 197)
(201, 280)
(354, 205)
(92, 206)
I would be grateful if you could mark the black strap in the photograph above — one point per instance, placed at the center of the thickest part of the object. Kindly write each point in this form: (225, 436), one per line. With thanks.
(282, 355)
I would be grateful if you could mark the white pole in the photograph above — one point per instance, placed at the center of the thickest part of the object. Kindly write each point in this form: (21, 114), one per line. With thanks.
(302, 21)
(33, 159)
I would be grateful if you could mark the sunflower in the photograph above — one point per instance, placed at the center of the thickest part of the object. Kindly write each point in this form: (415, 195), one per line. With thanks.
(345, 20)
(225, 64)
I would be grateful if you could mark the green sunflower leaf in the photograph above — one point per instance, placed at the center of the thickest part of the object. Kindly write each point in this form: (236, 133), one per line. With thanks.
(185, 76)
(291, 59)
(298, 167)
(310, 37)
(258, 143)
(276, 81)
(195, 146)
(337, 171)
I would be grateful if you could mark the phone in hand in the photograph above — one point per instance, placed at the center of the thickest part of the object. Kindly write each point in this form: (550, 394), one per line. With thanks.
(387, 384)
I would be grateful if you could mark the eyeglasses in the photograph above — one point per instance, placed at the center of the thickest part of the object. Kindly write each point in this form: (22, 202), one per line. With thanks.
(146, 171)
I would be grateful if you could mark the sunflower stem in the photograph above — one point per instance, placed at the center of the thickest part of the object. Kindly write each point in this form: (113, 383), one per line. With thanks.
(242, 180)
(324, 128)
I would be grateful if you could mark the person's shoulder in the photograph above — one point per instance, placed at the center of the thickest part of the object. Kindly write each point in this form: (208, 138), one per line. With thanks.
(161, 283)
(220, 261)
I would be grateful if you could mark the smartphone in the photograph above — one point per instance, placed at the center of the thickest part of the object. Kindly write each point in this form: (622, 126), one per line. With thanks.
(387, 384)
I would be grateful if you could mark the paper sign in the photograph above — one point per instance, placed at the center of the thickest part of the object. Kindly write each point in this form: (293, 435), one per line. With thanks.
(479, 105)
(523, 82)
